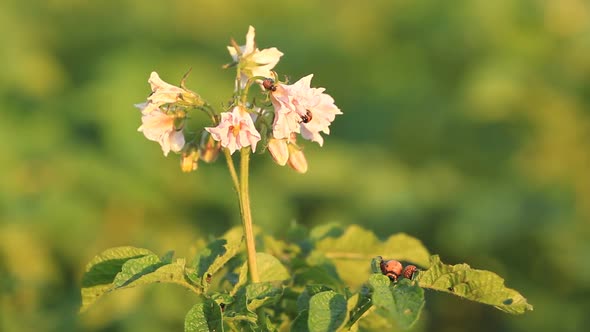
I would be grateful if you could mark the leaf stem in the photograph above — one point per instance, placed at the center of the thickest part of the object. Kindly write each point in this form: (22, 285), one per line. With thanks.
(247, 215)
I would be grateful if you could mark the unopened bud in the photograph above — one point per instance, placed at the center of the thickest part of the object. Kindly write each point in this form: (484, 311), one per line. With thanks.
(189, 160)
(297, 159)
(209, 148)
(192, 98)
(278, 150)
(189, 97)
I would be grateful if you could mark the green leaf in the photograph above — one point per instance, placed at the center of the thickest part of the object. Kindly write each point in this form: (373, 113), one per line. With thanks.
(376, 264)
(222, 298)
(327, 312)
(326, 230)
(133, 269)
(358, 305)
(170, 273)
(262, 293)
(242, 278)
(203, 317)
(300, 322)
(476, 285)
(125, 267)
(319, 270)
(306, 295)
(102, 270)
(402, 301)
(167, 257)
(403, 247)
(270, 268)
(216, 255)
(354, 243)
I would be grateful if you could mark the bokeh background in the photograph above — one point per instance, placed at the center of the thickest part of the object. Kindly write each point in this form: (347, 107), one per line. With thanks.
(466, 124)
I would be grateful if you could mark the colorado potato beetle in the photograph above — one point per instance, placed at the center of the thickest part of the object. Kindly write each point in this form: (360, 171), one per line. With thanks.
(394, 269)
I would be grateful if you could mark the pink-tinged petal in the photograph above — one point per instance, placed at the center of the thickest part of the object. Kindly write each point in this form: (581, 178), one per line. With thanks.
(278, 150)
(165, 144)
(158, 84)
(176, 139)
(304, 83)
(285, 124)
(154, 124)
(296, 102)
(159, 127)
(147, 107)
(141, 106)
(313, 136)
(162, 92)
(235, 130)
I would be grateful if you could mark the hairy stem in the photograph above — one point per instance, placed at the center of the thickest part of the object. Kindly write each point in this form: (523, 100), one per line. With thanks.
(247, 215)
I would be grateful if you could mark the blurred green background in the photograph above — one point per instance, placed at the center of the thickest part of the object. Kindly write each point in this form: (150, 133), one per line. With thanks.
(466, 124)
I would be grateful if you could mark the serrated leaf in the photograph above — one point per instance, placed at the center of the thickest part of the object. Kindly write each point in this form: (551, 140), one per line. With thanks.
(270, 268)
(402, 302)
(262, 293)
(102, 269)
(476, 285)
(203, 317)
(327, 312)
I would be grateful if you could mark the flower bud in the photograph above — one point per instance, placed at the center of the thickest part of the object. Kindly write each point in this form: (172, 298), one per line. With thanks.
(297, 159)
(189, 159)
(209, 148)
(192, 98)
(278, 150)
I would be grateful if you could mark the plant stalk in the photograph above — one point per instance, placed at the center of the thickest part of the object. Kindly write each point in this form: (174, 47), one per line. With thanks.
(233, 173)
(247, 215)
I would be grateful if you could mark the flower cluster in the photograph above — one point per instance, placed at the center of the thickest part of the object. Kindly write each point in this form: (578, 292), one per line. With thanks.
(286, 111)
(164, 113)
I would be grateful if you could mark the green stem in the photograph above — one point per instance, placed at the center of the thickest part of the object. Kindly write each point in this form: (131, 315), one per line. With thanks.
(246, 90)
(247, 215)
